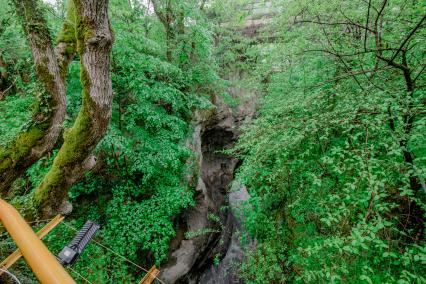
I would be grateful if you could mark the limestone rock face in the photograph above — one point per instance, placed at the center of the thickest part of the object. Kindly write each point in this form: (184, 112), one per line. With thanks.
(214, 254)
(191, 260)
(226, 270)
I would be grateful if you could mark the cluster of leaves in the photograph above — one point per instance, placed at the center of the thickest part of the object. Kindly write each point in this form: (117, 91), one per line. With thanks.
(16, 84)
(14, 54)
(334, 198)
(140, 182)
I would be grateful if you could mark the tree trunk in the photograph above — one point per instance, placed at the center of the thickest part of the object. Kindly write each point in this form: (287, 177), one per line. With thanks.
(167, 17)
(94, 41)
(46, 124)
(4, 82)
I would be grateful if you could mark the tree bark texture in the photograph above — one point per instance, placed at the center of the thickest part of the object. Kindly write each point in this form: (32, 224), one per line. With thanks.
(172, 19)
(43, 131)
(94, 42)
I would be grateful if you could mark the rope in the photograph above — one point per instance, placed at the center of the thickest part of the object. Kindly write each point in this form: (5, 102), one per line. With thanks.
(79, 275)
(11, 275)
(39, 221)
(33, 222)
(114, 252)
(76, 273)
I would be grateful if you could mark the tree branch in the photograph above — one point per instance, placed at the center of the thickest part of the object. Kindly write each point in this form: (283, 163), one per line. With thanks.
(333, 24)
(46, 124)
(95, 40)
(368, 18)
(347, 75)
(408, 37)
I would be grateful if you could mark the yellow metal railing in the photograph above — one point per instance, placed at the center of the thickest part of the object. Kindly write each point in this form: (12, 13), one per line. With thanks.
(42, 262)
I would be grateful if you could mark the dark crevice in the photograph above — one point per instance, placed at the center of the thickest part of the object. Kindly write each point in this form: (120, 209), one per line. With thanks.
(217, 172)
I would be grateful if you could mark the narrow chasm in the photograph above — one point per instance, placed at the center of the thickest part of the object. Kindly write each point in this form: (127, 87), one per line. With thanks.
(217, 169)
(207, 247)
(220, 255)
(217, 172)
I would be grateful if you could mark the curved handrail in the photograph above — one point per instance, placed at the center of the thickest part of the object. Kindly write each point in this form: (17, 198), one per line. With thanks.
(42, 262)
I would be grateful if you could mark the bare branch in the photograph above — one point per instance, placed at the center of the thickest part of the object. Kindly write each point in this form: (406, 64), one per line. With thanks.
(3, 93)
(413, 31)
(377, 34)
(420, 72)
(347, 54)
(368, 18)
(337, 55)
(347, 75)
(333, 24)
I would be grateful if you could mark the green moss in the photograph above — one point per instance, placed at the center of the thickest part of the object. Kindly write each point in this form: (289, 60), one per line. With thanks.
(77, 140)
(67, 33)
(32, 19)
(72, 152)
(76, 137)
(13, 155)
(83, 30)
(45, 76)
(26, 141)
(70, 50)
(20, 148)
(68, 36)
(5, 164)
(52, 179)
(16, 151)
(3, 154)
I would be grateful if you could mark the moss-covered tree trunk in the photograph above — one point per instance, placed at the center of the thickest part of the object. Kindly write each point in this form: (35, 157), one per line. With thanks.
(42, 132)
(94, 41)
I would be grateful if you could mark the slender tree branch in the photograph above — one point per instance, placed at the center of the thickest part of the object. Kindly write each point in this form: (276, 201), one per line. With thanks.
(420, 72)
(408, 37)
(347, 75)
(368, 18)
(333, 24)
(347, 54)
(3, 93)
(337, 55)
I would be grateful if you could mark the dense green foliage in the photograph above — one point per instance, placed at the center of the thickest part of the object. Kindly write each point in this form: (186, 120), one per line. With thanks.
(16, 83)
(139, 185)
(335, 162)
(145, 151)
(334, 197)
